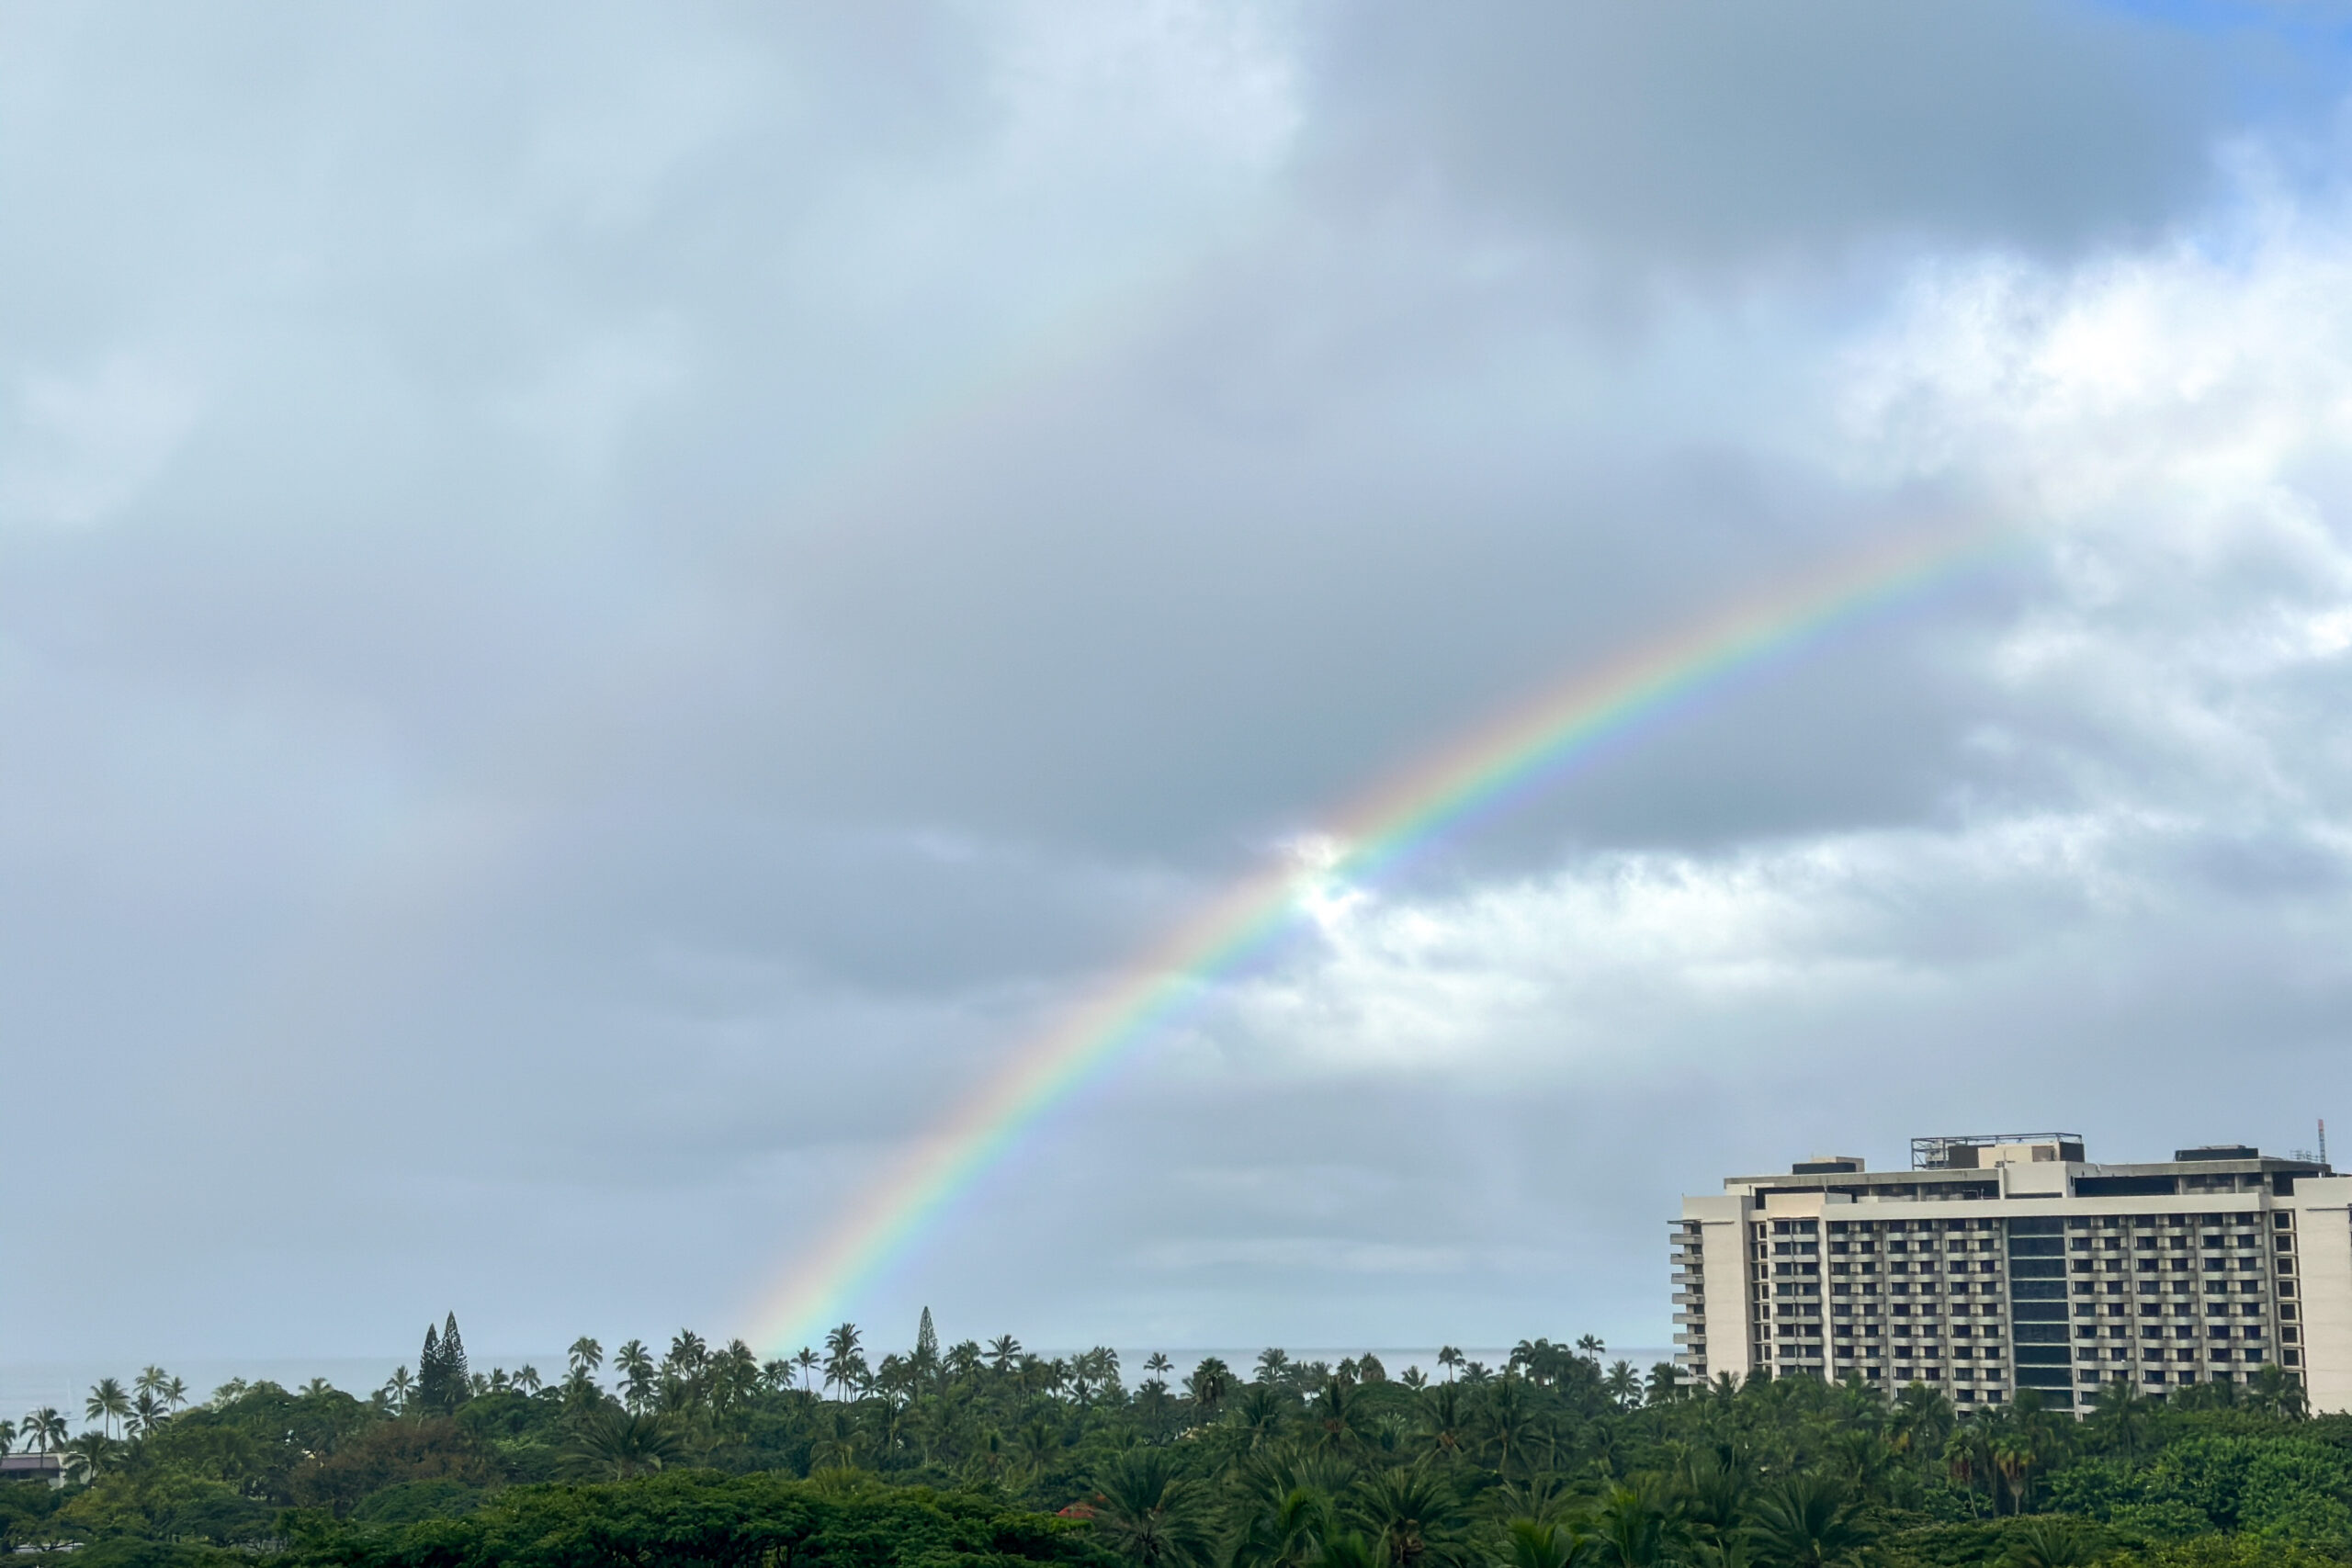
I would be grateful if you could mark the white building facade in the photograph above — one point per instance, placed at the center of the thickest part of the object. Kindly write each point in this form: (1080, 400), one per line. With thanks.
(2010, 1262)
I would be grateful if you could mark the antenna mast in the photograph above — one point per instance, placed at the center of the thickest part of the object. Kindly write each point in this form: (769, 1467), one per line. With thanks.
(2323, 1140)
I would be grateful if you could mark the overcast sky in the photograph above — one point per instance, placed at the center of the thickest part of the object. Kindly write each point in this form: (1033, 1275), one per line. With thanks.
(604, 608)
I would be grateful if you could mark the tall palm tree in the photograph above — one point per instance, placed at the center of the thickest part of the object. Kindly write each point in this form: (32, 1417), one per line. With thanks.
(147, 1413)
(399, 1388)
(2119, 1416)
(1272, 1364)
(1211, 1381)
(806, 1360)
(529, 1381)
(7, 1436)
(584, 1356)
(44, 1429)
(150, 1380)
(1450, 1359)
(844, 1365)
(174, 1392)
(634, 1364)
(688, 1354)
(108, 1404)
(1157, 1364)
(1002, 1350)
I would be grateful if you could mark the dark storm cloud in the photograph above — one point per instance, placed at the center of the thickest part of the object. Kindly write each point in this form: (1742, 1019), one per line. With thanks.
(1712, 135)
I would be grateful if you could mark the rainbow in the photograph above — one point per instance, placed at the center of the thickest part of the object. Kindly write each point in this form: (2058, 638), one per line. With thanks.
(1517, 753)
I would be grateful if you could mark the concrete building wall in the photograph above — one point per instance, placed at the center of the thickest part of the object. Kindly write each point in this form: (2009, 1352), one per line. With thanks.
(2015, 1267)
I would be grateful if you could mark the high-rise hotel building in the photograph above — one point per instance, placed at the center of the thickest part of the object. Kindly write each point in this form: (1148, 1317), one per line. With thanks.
(2010, 1262)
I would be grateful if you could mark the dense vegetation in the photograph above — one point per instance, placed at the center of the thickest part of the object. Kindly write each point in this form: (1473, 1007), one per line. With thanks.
(988, 1457)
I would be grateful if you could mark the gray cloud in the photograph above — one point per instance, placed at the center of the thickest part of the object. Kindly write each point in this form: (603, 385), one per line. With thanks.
(598, 616)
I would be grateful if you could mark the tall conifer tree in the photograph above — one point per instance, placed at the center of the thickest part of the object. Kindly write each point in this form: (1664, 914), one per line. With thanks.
(453, 1358)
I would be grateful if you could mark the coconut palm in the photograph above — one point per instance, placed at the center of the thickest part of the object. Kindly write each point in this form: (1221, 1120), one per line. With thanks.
(44, 1431)
(147, 1413)
(1450, 1359)
(1003, 1351)
(634, 1364)
(175, 1392)
(90, 1456)
(1211, 1381)
(843, 1366)
(108, 1404)
(806, 1360)
(584, 1356)
(529, 1381)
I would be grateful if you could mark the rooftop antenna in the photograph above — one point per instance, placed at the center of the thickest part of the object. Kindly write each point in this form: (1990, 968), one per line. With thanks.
(2323, 1140)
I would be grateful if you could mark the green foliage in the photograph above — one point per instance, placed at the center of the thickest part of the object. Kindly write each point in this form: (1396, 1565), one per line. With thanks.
(963, 1455)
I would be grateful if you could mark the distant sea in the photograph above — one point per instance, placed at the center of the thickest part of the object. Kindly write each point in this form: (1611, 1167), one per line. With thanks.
(28, 1385)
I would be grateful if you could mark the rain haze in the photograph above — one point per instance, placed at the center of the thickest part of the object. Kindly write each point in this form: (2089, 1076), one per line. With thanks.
(607, 610)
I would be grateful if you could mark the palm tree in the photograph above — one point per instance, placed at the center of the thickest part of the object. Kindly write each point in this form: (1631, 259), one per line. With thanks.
(1448, 1358)
(1634, 1530)
(147, 1413)
(150, 1380)
(1272, 1364)
(44, 1431)
(2014, 1458)
(1810, 1521)
(2045, 1542)
(1622, 1385)
(1589, 1347)
(108, 1404)
(1002, 1350)
(613, 1446)
(1413, 1517)
(1148, 1512)
(1537, 1543)
(806, 1360)
(90, 1455)
(529, 1381)
(1922, 1416)
(584, 1356)
(634, 1364)
(2119, 1416)
(174, 1392)
(1210, 1383)
(688, 1354)
(844, 1365)
(398, 1387)
(1157, 1364)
